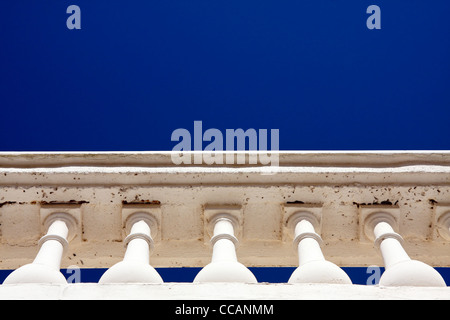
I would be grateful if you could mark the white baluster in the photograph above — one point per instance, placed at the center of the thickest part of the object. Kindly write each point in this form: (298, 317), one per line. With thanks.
(46, 266)
(135, 266)
(224, 266)
(401, 270)
(313, 268)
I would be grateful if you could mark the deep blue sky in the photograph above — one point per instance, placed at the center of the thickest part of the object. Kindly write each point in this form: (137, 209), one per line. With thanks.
(137, 70)
(358, 275)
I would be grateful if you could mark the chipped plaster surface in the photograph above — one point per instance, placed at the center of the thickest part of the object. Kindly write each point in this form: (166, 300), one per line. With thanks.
(417, 183)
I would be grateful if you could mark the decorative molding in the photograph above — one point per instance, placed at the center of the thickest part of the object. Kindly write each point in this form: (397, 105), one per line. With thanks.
(69, 213)
(370, 215)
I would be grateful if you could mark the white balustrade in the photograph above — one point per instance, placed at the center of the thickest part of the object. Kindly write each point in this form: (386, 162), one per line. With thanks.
(313, 268)
(224, 266)
(135, 266)
(46, 266)
(379, 226)
(401, 270)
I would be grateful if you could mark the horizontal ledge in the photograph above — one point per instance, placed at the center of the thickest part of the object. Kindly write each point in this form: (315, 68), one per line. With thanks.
(217, 291)
(111, 176)
(286, 158)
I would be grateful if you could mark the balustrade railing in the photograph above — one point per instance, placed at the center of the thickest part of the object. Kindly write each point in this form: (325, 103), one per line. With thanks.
(379, 226)
(337, 209)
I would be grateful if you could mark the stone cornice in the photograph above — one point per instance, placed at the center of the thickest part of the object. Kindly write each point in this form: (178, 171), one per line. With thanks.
(156, 168)
(286, 158)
